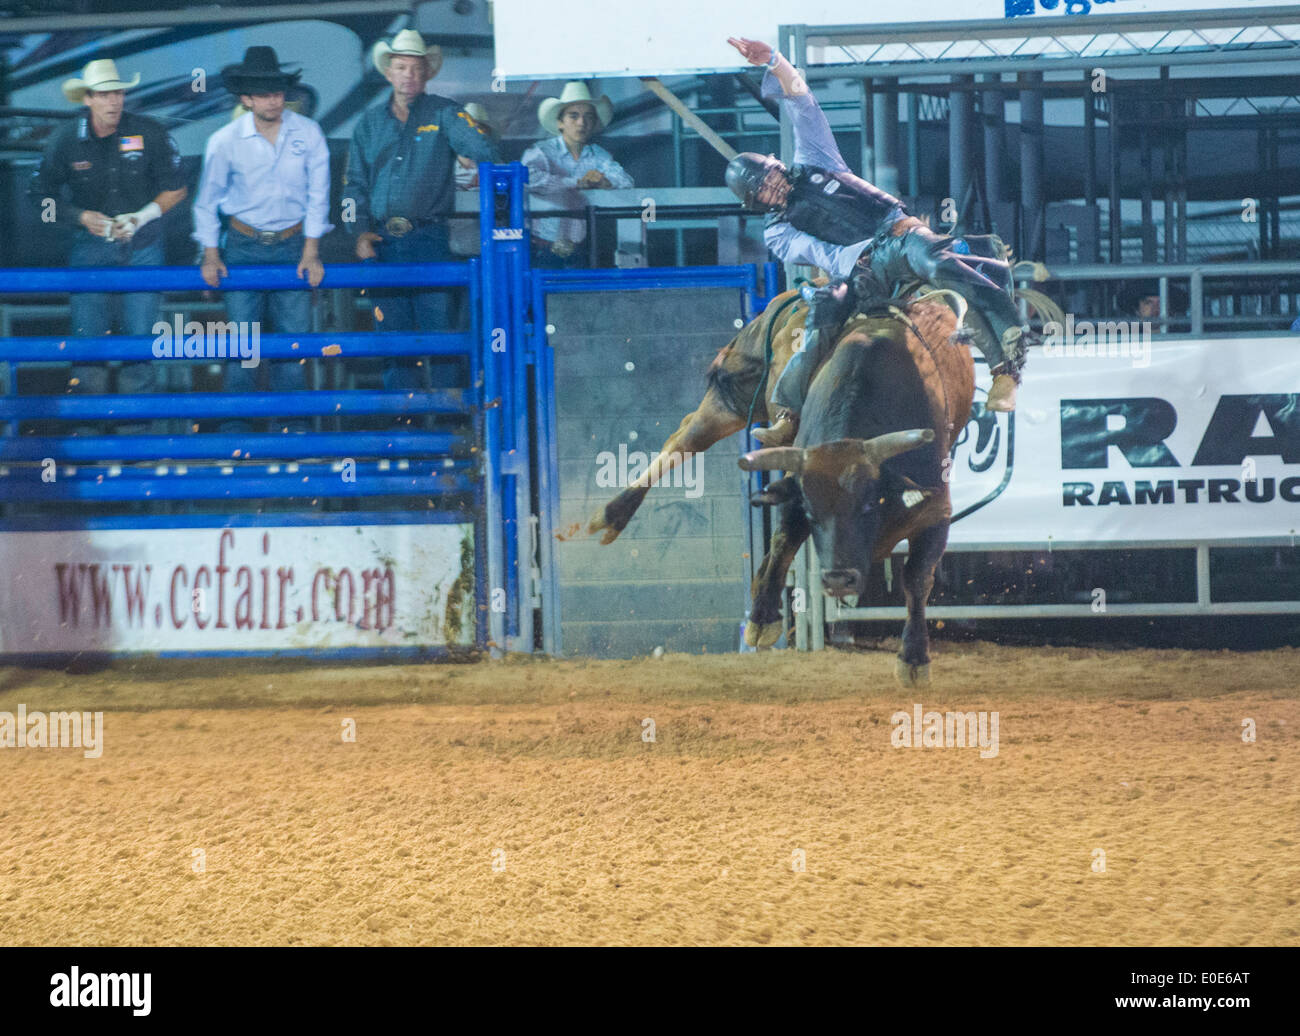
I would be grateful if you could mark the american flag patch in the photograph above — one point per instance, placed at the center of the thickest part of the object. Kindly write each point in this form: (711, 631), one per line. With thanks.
(131, 143)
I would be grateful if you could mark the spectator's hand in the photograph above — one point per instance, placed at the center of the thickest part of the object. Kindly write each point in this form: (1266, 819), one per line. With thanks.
(756, 52)
(96, 222)
(366, 244)
(593, 178)
(314, 269)
(212, 270)
(124, 227)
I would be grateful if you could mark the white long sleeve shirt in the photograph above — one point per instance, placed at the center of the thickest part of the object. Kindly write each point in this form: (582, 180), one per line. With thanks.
(267, 186)
(554, 173)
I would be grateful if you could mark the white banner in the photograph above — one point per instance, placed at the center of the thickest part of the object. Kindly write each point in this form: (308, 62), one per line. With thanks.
(576, 38)
(1178, 440)
(282, 587)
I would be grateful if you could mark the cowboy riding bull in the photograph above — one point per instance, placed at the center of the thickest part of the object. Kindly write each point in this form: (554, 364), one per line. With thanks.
(883, 401)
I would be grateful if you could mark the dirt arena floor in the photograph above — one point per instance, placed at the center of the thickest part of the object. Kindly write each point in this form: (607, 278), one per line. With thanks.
(516, 803)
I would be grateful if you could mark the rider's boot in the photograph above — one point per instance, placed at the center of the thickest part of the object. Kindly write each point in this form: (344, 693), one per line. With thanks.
(781, 432)
(1006, 378)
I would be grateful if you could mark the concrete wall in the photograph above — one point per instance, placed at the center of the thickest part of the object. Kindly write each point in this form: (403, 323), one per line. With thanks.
(675, 577)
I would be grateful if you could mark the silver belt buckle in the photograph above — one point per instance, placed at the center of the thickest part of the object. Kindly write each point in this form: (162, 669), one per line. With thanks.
(398, 226)
(268, 237)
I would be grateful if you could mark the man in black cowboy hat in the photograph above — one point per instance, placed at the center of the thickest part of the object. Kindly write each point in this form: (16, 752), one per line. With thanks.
(823, 215)
(268, 173)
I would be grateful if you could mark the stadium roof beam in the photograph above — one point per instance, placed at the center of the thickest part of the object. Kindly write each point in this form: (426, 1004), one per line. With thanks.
(207, 16)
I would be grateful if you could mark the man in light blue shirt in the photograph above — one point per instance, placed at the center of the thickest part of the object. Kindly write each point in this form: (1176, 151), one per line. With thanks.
(565, 164)
(268, 173)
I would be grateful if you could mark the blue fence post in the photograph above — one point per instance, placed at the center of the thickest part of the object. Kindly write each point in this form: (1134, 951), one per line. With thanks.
(506, 439)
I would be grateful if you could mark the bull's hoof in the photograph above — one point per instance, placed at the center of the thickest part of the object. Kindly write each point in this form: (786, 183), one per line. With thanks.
(910, 675)
(599, 523)
(762, 635)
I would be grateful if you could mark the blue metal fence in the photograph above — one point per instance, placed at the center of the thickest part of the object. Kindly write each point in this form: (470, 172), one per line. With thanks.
(506, 465)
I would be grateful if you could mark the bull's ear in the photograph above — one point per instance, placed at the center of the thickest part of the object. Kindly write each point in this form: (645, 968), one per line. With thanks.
(779, 492)
(913, 494)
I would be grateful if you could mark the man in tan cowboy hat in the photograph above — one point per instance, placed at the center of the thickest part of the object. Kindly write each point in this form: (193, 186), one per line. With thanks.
(109, 175)
(400, 182)
(268, 172)
(566, 163)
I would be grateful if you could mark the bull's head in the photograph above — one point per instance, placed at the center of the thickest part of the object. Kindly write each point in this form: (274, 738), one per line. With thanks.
(840, 487)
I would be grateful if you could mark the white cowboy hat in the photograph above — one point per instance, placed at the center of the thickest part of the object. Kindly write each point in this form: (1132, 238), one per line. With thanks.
(407, 43)
(478, 113)
(97, 75)
(548, 113)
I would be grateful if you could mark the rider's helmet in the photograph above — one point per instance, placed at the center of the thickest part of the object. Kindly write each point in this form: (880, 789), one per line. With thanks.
(746, 173)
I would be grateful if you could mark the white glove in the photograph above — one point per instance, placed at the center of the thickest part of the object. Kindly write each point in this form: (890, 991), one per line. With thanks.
(126, 225)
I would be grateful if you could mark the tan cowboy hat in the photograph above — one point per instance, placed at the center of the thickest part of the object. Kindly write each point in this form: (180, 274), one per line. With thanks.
(407, 43)
(97, 75)
(548, 113)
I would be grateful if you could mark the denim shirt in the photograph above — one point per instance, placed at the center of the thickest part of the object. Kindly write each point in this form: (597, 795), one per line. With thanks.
(407, 168)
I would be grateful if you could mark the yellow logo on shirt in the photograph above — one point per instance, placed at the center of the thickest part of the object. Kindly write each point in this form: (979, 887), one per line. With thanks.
(431, 127)
(470, 119)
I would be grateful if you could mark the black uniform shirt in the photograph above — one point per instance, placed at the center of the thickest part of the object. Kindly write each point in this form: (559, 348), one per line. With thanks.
(122, 172)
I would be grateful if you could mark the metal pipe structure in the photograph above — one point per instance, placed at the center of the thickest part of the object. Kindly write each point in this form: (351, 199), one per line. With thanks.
(866, 126)
(961, 116)
(913, 144)
(992, 114)
(885, 116)
(1032, 206)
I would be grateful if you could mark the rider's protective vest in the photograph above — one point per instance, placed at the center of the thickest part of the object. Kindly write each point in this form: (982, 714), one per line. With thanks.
(838, 208)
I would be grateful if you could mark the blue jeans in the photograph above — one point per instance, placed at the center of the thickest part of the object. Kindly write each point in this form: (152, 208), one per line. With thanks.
(415, 309)
(93, 312)
(289, 311)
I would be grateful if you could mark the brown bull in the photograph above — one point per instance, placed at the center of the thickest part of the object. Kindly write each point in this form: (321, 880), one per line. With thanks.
(867, 469)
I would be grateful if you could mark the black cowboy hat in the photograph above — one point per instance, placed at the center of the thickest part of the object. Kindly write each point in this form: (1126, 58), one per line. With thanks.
(259, 72)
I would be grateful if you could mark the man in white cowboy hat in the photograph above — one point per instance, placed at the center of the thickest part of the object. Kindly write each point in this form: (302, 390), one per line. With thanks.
(268, 172)
(566, 163)
(110, 174)
(400, 182)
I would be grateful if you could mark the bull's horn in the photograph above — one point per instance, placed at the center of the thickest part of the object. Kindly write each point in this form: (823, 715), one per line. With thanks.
(878, 450)
(774, 458)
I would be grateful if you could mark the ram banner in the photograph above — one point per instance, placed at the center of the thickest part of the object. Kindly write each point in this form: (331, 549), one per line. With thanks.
(1136, 440)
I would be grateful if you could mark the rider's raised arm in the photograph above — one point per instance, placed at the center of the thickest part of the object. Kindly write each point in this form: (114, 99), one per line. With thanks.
(814, 144)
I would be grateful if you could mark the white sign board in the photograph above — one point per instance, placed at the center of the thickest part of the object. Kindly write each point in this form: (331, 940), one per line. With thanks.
(1201, 442)
(239, 589)
(574, 39)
